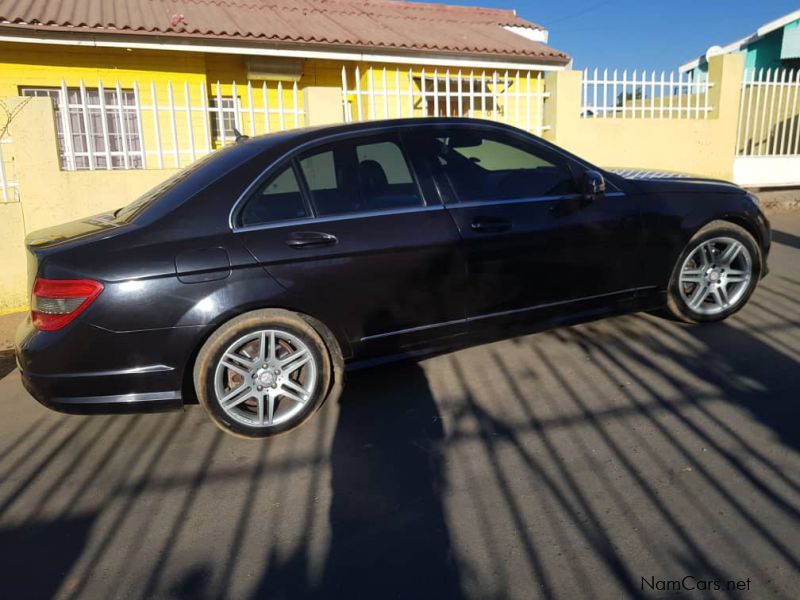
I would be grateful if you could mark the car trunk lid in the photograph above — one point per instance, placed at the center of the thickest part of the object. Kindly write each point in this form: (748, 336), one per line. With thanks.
(45, 239)
(49, 241)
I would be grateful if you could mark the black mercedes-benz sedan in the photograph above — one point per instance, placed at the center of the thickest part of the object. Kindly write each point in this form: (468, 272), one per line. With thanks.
(251, 280)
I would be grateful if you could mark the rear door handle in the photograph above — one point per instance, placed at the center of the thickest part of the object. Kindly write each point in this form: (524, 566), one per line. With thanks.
(489, 225)
(305, 239)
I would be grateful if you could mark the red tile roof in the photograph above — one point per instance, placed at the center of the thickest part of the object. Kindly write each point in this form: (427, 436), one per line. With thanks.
(372, 24)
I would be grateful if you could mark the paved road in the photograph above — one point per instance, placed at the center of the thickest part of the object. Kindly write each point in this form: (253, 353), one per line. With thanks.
(566, 464)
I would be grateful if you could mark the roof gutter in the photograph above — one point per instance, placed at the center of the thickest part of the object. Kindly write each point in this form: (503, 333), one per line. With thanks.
(27, 35)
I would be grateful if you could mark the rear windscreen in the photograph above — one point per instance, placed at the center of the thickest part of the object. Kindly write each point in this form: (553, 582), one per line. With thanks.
(134, 208)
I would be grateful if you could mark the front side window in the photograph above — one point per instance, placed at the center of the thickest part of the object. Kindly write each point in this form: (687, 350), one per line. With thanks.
(279, 199)
(488, 166)
(86, 139)
(359, 175)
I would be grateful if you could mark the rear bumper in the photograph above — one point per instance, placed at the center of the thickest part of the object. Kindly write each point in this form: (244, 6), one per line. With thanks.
(39, 387)
(87, 370)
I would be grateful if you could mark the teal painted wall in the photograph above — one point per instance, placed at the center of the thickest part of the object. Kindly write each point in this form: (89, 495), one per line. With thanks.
(768, 51)
(699, 73)
(791, 40)
(765, 53)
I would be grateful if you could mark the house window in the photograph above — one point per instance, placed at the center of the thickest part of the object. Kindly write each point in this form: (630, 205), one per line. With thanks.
(92, 141)
(227, 114)
(441, 98)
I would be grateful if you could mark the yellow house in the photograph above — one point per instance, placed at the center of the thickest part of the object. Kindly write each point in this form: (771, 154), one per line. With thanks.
(154, 83)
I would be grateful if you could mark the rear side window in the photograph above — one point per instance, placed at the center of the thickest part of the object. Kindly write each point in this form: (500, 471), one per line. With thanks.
(279, 199)
(359, 175)
(488, 166)
(319, 171)
(389, 157)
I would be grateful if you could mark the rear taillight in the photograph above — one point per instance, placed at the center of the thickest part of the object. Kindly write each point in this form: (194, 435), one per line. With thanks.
(56, 302)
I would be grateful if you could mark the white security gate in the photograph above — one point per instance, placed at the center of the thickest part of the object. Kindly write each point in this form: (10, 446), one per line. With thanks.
(513, 97)
(768, 137)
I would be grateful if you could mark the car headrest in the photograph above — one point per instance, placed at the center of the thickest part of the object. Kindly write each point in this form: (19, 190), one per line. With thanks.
(372, 178)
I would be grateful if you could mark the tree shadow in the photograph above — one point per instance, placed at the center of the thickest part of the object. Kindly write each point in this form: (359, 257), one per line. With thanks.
(37, 558)
(389, 534)
(194, 584)
(390, 537)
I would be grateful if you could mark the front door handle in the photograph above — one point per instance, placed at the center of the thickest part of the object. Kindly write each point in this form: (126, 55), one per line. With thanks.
(490, 225)
(305, 239)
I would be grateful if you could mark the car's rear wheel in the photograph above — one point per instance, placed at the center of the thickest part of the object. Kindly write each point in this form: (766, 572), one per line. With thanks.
(715, 275)
(263, 373)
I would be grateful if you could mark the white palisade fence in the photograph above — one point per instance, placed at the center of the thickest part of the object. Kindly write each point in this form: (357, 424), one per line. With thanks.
(641, 95)
(513, 97)
(768, 115)
(163, 125)
(768, 136)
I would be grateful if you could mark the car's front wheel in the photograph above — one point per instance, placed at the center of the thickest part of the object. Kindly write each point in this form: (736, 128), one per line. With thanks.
(263, 373)
(715, 275)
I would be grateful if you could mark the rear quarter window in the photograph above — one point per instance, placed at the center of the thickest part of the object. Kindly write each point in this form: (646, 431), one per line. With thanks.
(279, 199)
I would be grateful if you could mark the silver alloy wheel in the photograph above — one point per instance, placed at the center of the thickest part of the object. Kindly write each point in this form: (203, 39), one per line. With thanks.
(715, 276)
(265, 378)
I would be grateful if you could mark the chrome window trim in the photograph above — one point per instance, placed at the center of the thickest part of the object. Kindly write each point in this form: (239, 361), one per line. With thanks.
(478, 203)
(332, 137)
(363, 214)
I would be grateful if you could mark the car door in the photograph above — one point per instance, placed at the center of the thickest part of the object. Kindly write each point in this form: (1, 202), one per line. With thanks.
(531, 239)
(351, 232)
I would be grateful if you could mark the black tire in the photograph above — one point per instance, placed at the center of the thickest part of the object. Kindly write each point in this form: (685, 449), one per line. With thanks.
(327, 357)
(678, 308)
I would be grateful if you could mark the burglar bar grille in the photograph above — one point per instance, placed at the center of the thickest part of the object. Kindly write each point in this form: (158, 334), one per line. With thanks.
(513, 97)
(163, 125)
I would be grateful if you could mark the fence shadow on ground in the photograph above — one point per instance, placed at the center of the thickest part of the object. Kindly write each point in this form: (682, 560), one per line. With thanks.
(544, 465)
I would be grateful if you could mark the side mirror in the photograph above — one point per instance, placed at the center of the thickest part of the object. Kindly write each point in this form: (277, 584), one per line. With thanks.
(594, 185)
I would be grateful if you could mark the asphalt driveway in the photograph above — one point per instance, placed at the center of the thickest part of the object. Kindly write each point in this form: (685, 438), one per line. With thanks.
(567, 464)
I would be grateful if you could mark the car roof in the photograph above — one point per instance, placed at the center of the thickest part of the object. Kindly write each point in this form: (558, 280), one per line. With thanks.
(304, 134)
(285, 141)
